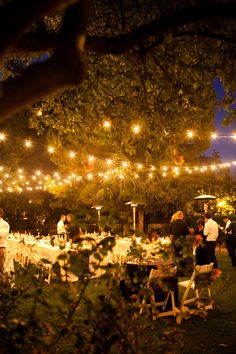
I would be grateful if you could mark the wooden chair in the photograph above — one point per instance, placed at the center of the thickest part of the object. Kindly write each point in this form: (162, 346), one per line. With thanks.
(155, 284)
(200, 283)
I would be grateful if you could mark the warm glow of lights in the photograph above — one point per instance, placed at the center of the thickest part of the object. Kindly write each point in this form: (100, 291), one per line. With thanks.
(106, 124)
(91, 158)
(234, 136)
(125, 164)
(28, 143)
(108, 161)
(38, 173)
(189, 133)
(164, 174)
(1, 168)
(140, 166)
(51, 149)
(6, 175)
(136, 175)
(2, 137)
(89, 176)
(221, 204)
(153, 168)
(214, 135)
(121, 176)
(150, 175)
(213, 167)
(71, 154)
(136, 129)
(39, 113)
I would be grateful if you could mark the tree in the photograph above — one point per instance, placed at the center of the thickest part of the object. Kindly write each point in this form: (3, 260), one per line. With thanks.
(133, 28)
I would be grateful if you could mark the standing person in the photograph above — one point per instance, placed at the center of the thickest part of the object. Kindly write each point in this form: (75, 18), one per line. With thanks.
(226, 234)
(211, 231)
(202, 252)
(61, 225)
(4, 231)
(179, 231)
(231, 242)
(226, 221)
(72, 228)
(178, 227)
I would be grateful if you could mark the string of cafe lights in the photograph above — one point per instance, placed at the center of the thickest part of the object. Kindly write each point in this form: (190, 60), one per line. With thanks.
(111, 169)
(29, 144)
(20, 181)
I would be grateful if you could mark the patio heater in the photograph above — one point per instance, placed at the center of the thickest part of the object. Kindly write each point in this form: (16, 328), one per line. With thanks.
(134, 207)
(205, 199)
(98, 208)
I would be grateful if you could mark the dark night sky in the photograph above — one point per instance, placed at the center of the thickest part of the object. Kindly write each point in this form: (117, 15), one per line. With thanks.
(226, 147)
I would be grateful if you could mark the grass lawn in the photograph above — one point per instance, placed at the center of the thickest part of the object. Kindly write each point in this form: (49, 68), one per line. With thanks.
(217, 332)
(214, 334)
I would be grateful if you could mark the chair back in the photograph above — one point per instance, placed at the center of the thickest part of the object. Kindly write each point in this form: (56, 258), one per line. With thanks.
(203, 276)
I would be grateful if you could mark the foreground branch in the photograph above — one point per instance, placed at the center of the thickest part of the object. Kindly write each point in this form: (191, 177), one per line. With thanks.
(17, 16)
(65, 68)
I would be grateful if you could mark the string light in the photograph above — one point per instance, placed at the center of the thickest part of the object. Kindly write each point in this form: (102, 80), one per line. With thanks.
(39, 113)
(28, 143)
(51, 149)
(108, 161)
(72, 154)
(106, 124)
(189, 133)
(136, 129)
(214, 135)
(2, 136)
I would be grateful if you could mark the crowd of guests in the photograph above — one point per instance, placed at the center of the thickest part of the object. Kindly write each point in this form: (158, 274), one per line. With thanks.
(203, 238)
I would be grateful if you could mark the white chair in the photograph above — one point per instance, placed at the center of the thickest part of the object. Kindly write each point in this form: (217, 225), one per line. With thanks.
(149, 301)
(195, 287)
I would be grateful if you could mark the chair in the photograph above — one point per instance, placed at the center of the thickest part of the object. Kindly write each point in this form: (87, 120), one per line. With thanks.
(156, 284)
(200, 282)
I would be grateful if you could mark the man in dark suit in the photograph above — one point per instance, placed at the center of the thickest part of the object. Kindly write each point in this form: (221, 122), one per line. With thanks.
(231, 241)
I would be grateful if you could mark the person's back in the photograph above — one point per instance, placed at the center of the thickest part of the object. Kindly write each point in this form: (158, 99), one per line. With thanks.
(178, 227)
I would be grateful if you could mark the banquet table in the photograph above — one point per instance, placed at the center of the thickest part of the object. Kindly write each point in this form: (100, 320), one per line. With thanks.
(25, 248)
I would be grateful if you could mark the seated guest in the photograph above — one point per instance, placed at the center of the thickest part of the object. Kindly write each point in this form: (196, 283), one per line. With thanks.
(202, 252)
(153, 235)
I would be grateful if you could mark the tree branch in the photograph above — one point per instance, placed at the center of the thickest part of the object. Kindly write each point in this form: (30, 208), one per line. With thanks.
(17, 16)
(65, 67)
(120, 44)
